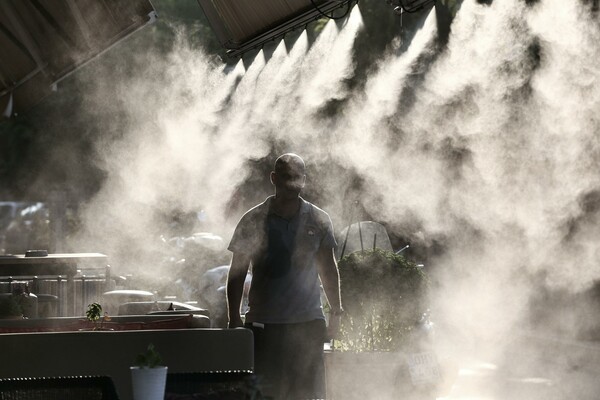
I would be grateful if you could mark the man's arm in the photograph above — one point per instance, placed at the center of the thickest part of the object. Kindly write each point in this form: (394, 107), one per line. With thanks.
(330, 278)
(235, 287)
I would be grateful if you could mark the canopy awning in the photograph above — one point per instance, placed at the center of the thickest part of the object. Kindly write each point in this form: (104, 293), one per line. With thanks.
(43, 41)
(244, 25)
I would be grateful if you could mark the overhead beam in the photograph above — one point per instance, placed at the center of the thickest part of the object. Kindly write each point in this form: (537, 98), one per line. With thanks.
(22, 35)
(240, 32)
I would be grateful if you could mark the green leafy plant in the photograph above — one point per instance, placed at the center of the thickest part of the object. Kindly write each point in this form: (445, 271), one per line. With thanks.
(149, 358)
(384, 296)
(94, 314)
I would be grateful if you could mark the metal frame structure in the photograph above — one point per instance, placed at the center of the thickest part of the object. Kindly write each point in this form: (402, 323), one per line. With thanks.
(74, 279)
(240, 32)
(409, 6)
(42, 42)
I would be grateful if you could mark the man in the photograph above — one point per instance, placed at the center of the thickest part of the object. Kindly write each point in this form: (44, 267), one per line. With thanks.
(290, 244)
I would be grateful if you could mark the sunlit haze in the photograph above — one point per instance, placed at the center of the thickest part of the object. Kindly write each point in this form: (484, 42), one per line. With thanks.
(488, 148)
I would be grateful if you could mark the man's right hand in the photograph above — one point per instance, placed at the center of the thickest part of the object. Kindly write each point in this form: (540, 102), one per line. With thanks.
(236, 278)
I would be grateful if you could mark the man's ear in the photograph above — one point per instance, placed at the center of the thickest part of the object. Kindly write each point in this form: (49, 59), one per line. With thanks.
(303, 181)
(273, 177)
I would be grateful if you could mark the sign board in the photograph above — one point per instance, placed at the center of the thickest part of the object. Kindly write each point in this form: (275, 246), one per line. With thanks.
(423, 368)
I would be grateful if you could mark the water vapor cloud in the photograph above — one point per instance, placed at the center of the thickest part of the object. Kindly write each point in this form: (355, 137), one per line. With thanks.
(488, 146)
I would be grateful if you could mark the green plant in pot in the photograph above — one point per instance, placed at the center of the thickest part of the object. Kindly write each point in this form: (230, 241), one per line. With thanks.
(149, 358)
(384, 296)
(148, 375)
(94, 315)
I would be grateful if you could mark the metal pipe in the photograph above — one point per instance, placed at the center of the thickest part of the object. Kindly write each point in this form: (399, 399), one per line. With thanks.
(362, 247)
(402, 249)
(348, 231)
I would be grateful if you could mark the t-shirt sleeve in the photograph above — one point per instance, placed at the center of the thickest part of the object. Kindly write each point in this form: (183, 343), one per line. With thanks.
(244, 236)
(328, 236)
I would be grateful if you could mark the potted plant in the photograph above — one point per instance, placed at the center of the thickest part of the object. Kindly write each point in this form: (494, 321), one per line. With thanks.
(148, 376)
(94, 315)
(385, 298)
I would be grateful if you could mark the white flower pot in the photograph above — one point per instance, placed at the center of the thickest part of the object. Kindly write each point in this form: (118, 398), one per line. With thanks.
(148, 383)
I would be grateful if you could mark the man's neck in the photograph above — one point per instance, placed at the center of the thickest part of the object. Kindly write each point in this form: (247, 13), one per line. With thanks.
(285, 207)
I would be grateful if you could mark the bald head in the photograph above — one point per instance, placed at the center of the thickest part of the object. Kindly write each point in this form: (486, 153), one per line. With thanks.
(288, 175)
(289, 161)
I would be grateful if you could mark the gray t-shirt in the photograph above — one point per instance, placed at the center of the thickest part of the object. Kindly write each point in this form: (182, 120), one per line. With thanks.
(285, 281)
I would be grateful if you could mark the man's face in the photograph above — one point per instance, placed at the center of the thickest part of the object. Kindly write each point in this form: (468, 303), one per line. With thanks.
(289, 180)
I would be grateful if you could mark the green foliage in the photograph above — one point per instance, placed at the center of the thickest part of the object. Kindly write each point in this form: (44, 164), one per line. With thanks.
(384, 297)
(186, 16)
(148, 359)
(94, 312)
